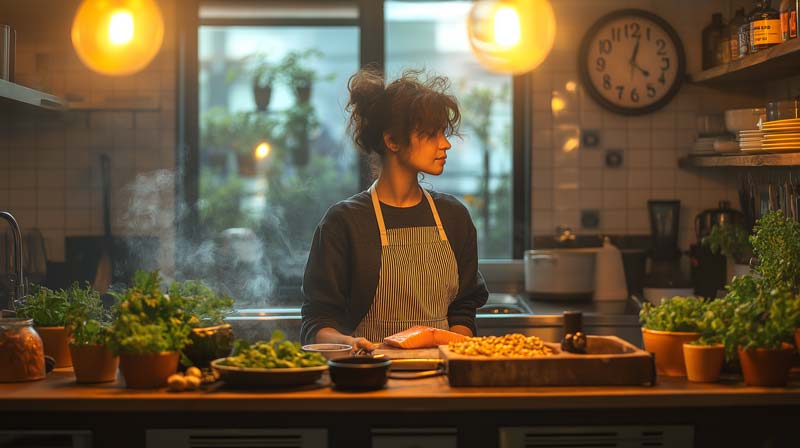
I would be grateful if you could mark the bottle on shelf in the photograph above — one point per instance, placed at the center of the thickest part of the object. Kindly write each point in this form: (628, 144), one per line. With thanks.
(744, 30)
(736, 22)
(712, 35)
(788, 11)
(765, 27)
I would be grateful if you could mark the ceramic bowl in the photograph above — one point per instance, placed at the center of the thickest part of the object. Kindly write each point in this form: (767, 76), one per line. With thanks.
(330, 351)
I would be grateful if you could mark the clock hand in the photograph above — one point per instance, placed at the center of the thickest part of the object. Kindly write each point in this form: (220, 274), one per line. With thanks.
(644, 72)
(633, 57)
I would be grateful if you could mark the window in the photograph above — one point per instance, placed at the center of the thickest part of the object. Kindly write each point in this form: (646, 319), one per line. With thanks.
(272, 149)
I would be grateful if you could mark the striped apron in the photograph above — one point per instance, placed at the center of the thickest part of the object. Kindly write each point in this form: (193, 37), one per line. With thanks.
(418, 279)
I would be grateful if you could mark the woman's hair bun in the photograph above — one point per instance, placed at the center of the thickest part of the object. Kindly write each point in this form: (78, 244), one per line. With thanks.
(368, 109)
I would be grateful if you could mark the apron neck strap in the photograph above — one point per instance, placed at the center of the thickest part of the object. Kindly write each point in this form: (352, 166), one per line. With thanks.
(382, 225)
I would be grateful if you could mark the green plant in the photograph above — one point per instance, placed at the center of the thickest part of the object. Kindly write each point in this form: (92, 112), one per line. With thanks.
(205, 307)
(296, 73)
(88, 321)
(776, 244)
(46, 307)
(765, 320)
(276, 353)
(262, 71)
(241, 131)
(713, 322)
(675, 314)
(148, 320)
(730, 240)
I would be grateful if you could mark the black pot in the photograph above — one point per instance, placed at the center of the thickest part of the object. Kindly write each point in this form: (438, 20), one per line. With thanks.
(208, 344)
(303, 93)
(359, 373)
(707, 219)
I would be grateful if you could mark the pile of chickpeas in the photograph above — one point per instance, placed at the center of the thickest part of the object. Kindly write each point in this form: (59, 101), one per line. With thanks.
(513, 345)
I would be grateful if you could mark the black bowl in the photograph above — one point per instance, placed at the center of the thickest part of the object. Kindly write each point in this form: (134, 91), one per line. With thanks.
(359, 373)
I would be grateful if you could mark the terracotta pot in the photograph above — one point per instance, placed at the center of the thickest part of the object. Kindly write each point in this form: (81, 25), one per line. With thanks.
(208, 344)
(93, 363)
(704, 362)
(147, 370)
(56, 344)
(262, 95)
(766, 367)
(667, 347)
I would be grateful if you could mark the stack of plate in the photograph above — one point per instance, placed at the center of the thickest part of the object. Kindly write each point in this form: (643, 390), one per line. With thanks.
(704, 145)
(750, 140)
(782, 135)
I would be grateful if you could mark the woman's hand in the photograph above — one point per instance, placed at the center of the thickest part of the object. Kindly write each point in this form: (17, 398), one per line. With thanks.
(361, 344)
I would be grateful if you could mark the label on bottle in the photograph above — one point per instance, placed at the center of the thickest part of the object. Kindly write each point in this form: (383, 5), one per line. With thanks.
(744, 40)
(789, 24)
(793, 24)
(765, 32)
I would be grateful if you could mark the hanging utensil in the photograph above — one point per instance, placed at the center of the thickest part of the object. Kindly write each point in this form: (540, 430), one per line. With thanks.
(102, 277)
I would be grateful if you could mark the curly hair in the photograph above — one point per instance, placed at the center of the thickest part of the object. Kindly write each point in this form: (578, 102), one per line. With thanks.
(408, 104)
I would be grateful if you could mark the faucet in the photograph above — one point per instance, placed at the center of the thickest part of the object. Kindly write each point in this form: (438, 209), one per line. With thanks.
(19, 282)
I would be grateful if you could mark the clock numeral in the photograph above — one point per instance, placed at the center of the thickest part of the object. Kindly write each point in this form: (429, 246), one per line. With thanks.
(648, 33)
(636, 33)
(651, 91)
(607, 82)
(620, 91)
(634, 95)
(664, 64)
(601, 64)
(605, 46)
(616, 34)
(662, 79)
(662, 47)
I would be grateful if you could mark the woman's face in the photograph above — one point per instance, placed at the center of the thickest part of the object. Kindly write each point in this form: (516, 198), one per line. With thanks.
(427, 153)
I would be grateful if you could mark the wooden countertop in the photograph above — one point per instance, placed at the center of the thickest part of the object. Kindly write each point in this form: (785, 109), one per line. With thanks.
(60, 393)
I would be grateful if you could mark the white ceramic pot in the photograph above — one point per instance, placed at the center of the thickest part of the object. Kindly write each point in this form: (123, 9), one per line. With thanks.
(560, 274)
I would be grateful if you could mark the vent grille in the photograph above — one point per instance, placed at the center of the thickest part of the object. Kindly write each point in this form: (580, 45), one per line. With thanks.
(237, 438)
(45, 439)
(597, 437)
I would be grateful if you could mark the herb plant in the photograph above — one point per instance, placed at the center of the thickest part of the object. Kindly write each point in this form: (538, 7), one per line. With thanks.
(204, 306)
(776, 243)
(88, 321)
(276, 353)
(149, 321)
(675, 314)
(766, 320)
(730, 240)
(46, 307)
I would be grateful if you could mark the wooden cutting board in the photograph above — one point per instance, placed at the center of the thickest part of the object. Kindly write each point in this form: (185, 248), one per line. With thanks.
(409, 353)
(609, 361)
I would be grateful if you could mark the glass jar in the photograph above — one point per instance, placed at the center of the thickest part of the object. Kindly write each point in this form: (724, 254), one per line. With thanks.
(765, 28)
(788, 10)
(21, 351)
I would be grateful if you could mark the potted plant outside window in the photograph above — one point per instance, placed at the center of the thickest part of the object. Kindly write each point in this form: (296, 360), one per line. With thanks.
(150, 331)
(211, 338)
(732, 241)
(298, 75)
(666, 327)
(89, 325)
(48, 310)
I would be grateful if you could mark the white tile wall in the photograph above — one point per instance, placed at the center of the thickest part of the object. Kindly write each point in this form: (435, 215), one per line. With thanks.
(49, 162)
(652, 143)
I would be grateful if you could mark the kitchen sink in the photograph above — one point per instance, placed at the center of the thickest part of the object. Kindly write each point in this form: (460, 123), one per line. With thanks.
(508, 304)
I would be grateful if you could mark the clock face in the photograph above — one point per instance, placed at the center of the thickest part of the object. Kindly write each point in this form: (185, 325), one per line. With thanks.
(632, 62)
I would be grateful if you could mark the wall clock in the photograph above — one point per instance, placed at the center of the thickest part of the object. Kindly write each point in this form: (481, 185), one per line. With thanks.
(632, 62)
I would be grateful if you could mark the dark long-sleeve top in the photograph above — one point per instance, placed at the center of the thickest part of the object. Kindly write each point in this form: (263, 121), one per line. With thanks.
(343, 265)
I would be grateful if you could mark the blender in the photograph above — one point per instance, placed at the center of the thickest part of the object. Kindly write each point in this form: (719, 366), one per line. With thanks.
(664, 278)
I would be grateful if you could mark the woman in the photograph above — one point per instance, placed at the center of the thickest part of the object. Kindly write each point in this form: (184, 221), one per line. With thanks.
(396, 255)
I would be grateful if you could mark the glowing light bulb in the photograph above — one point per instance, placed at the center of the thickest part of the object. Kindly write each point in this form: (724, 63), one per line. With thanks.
(262, 150)
(571, 86)
(117, 37)
(506, 27)
(511, 36)
(571, 144)
(557, 104)
(120, 27)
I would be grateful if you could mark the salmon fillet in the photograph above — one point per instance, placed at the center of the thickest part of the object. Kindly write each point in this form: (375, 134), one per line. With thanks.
(420, 336)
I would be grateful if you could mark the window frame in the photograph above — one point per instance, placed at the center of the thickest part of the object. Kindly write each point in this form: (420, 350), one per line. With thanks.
(371, 26)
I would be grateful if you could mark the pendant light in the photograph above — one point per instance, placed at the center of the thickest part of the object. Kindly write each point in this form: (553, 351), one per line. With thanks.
(511, 36)
(117, 37)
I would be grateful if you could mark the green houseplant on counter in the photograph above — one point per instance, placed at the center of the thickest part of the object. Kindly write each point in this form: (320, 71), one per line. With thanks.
(89, 325)
(48, 310)
(150, 331)
(732, 241)
(666, 327)
(211, 338)
(705, 356)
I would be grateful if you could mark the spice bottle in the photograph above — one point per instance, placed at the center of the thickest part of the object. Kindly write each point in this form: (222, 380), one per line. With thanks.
(574, 340)
(733, 28)
(712, 35)
(788, 11)
(765, 27)
(744, 31)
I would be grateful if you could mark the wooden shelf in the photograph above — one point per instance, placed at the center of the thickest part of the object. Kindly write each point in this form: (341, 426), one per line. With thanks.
(777, 62)
(24, 95)
(744, 160)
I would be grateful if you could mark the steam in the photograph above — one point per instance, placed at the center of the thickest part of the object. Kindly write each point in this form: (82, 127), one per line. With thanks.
(232, 262)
